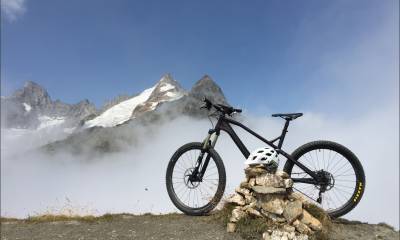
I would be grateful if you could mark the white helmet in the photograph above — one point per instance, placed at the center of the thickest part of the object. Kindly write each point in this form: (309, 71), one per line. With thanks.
(265, 155)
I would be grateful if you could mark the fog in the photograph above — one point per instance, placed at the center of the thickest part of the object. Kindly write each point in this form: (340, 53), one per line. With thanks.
(133, 180)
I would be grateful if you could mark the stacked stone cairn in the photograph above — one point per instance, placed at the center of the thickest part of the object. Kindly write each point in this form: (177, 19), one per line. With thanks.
(269, 195)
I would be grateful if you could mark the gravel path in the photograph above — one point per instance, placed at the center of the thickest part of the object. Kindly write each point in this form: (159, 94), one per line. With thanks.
(354, 230)
(165, 227)
(122, 227)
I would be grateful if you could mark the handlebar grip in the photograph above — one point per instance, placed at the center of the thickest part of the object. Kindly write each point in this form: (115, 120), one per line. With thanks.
(238, 110)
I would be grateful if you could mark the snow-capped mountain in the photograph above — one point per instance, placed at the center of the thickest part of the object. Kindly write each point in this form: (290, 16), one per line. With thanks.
(166, 90)
(80, 127)
(161, 103)
(32, 108)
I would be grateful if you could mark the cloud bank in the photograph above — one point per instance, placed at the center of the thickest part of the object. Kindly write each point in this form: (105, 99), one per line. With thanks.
(12, 9)
(133, 180)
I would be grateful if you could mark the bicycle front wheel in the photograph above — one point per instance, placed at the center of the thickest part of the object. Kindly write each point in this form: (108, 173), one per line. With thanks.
(200, 196)
(343, 174)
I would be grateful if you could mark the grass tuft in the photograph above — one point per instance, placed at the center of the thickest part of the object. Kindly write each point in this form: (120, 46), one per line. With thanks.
(316, 212)
(323, 217)
(222, 216)
(252, 228)
(247, 227)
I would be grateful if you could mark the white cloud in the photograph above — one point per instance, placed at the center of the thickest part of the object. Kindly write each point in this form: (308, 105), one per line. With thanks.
(133, 180)
(12, 9)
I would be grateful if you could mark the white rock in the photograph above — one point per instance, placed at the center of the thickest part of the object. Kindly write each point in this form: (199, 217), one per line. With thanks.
(254, 171)
(253, 212)
(282, 174)
(301, 227)
(236, 199)
(301, 237)
(269, 180)
(272, 204)
(237, 214)
(231, 227)
(288, 183)
(272, 216)
(249, 199)
(311, 221)
(288, 228)
(266, 236)
(252, 182)
(243, 191)
(268, 190)
(293, 210)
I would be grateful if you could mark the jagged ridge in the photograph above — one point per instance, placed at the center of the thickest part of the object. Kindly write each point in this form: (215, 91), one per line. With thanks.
(31, 107)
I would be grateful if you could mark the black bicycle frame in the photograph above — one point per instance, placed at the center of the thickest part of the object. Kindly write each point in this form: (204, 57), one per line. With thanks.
(224, 125)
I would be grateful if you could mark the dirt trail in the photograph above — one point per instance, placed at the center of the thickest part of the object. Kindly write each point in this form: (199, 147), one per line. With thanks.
(163, 227)
(120, 227)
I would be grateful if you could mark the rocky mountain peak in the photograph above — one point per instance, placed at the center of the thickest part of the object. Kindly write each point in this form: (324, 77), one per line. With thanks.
(206, 87)
(32, 94)
(167, 82)
(166, 78)
(205, 78)
(166, 87)
(30, 105)
(166, 90)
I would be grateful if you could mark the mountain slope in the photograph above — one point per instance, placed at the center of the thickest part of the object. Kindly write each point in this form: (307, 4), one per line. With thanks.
(31, 108)
(167, 89)
(121, 112)
(171, 102)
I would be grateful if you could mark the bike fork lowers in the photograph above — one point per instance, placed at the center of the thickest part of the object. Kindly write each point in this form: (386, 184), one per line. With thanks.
(209, 142)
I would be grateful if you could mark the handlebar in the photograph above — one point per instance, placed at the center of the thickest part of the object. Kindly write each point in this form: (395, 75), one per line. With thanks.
(220, 107)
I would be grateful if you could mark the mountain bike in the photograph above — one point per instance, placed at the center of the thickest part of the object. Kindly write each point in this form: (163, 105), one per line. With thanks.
(326, 172)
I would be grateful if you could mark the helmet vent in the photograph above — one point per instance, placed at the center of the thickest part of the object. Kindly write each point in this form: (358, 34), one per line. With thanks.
(262, 156)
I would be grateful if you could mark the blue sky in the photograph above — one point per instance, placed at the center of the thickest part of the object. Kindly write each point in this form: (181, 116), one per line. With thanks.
(266, 55)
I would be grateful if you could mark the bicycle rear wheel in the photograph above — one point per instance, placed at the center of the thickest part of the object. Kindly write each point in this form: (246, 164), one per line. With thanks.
(343, 172)
(200, 196)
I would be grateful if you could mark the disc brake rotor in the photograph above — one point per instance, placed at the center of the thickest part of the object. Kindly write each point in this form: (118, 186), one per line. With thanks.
(188, 182)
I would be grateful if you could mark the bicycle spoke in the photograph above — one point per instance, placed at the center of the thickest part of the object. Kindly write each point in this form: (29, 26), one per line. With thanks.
(194, 194)
(341, 171)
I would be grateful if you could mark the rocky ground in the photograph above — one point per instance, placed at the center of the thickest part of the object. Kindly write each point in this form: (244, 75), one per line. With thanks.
(173, 226)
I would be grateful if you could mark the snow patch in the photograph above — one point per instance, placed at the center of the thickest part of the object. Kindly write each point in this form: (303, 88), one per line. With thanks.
(154, 105)
(121, 112)
(47, 122)
(166, 87)
(174, 95)
(27, 107)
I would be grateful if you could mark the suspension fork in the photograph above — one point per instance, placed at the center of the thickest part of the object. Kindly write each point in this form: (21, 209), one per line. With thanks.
(209, 142)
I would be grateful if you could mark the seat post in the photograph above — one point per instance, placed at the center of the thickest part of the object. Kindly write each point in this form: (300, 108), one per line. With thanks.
(284, 131)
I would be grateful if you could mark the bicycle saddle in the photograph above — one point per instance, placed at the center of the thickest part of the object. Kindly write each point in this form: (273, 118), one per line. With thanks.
(288, 116)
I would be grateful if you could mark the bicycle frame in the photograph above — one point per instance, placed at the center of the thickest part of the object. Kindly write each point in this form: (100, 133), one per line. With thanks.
(223, 124)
